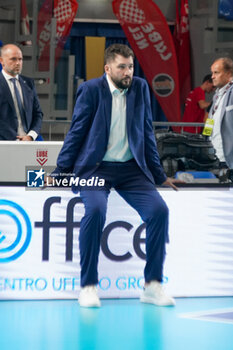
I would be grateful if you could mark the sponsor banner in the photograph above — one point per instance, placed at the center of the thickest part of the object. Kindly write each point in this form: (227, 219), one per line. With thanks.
(149, 36)
(64, 11)
(182, 45)
(39, 252)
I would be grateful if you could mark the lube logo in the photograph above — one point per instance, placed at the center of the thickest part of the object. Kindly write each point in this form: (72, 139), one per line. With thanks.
(15, 231)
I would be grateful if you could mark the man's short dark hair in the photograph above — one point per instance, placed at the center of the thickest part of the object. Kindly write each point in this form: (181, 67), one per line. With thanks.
(208, 78)
(117, 49)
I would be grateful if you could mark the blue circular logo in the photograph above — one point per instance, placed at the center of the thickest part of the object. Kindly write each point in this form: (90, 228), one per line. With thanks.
(15, 231)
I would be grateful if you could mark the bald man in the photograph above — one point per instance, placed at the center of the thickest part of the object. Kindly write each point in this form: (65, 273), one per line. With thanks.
(20, 112)
(221, 112)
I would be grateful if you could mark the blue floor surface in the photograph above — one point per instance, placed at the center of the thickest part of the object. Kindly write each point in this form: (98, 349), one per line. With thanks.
(123, 324)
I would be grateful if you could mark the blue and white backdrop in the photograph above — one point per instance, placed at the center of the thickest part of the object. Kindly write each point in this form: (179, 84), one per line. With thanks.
(39, 253)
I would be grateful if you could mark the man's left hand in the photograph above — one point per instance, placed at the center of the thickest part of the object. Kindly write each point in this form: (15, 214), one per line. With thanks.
(170, 182)
(25, 138)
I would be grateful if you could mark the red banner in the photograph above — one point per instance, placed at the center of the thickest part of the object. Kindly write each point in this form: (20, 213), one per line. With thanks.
(182, 44)
(64, 11)
(25, 22)
(149, 36)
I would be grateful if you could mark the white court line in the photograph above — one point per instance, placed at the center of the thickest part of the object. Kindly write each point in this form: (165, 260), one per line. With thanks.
(210, 315)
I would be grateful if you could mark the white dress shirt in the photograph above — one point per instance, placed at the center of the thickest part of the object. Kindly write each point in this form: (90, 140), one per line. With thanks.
(118, 147)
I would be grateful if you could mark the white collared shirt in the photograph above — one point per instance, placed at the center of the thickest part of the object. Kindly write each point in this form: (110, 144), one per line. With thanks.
(118, 146)
(20, 131)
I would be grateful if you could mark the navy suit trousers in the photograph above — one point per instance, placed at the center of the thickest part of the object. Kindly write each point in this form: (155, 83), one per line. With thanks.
(140, 193)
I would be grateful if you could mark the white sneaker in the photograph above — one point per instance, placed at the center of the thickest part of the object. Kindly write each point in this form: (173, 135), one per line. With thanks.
(154, 294)
(88, 297)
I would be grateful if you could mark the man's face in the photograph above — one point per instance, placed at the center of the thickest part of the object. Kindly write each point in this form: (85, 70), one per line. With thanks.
(12, 60)
(219, 76)
(120, 71)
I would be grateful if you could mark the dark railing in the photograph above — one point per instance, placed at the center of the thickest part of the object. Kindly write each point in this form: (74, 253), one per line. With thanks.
(49, 125)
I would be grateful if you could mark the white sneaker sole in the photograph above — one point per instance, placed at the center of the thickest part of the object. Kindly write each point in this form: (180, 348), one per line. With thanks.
(90, 305)
(149, 300)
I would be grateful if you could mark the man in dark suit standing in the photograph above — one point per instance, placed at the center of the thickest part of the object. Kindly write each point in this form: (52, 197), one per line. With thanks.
(20, 112)
(111, 138)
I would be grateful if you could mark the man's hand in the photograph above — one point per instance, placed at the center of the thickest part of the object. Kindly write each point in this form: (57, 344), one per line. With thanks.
(170, 182)
(25, 138)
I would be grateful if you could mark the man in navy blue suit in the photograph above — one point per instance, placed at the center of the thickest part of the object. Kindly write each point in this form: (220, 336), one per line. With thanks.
(20, 112)
(111, 138)
(0, 63)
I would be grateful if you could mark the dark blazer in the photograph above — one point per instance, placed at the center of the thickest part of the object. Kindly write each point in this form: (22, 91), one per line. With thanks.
(86, 142)
(8, 117)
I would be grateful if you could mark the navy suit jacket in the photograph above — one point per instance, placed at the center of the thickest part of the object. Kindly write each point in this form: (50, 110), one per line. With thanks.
(8, 117)
(86, 142)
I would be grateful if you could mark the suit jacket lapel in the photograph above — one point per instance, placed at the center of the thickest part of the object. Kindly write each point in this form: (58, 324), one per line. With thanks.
(7, 92)
(226, 99)
(25, 92)
(130, 103)
(107, 101)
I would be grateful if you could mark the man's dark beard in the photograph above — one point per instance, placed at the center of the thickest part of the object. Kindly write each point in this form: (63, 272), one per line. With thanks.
(122, 84)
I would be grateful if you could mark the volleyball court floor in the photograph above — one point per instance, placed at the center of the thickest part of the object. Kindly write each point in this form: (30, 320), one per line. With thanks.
(120, 324)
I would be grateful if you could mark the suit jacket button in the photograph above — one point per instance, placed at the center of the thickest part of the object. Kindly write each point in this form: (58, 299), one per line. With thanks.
(97, 163)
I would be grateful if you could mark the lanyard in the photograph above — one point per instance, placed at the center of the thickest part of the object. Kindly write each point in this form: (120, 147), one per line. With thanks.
(209, 124)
